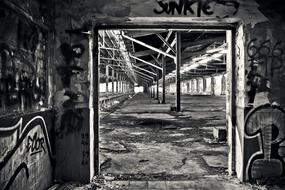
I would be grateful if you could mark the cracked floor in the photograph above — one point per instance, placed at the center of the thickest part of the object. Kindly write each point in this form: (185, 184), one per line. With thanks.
(143, 142)
(145, 146)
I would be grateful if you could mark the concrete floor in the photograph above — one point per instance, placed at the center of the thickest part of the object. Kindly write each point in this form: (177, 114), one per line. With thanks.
(143, 145)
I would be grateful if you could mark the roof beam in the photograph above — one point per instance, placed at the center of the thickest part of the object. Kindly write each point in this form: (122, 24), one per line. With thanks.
(142, 74)
(144, 53)
(148, 46)
(155, 59)
(166, 43)
(203, 41)
(143, 77)
(146, 62)
(136, 34)
(167, 38)
(144, 70)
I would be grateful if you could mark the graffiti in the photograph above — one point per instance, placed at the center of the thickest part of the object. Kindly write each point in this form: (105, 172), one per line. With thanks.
(265, 137)
(267, 55)
(35, 144)
(22, 138)
(23, 70)
(266, 60)
(194, 7)
(17, 171)
(85, 152)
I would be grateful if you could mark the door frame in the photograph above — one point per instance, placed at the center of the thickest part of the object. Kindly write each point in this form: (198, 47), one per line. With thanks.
(160, 23)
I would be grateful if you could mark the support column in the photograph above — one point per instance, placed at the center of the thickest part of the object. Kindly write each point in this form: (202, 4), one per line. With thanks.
(157, 84)
(120, 78)
(178, 63)
(122, 84)
(117, 82)
(113, 76)
(107, 78)
(163, 79)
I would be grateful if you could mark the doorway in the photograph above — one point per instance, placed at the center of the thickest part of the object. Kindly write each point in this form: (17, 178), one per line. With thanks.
(230, 81)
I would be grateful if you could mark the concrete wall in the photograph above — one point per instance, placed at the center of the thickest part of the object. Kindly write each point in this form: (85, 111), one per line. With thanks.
(72, 145)
(26, 134)
(27, 155)
(265, 84)
(255, 27)
(256, 155)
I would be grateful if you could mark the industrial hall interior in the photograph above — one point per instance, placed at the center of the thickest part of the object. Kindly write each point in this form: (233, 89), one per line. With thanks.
(142, 95)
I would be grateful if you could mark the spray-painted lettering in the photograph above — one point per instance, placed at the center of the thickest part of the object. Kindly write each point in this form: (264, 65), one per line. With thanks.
(35, 144)
(194, 7)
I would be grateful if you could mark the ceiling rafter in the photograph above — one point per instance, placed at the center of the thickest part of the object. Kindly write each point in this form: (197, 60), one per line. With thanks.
(148, 46)
(146, 62)
(166, 43)
(145, 70)
(143, 74)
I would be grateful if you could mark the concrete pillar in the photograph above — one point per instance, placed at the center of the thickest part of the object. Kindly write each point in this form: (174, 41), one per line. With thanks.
(163, 79)
(113, 76)
(107, 78)
(178, 63)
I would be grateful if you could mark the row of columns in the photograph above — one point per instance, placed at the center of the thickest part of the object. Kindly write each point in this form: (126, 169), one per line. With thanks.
(122, 85)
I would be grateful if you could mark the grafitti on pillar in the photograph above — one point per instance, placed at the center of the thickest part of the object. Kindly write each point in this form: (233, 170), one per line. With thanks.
(265, 140)
(22, 166)
(85, 151)
(266, 63)
(194, 7)
(19, 142)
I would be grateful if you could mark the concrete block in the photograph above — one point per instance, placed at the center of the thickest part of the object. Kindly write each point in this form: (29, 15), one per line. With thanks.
(220, 133)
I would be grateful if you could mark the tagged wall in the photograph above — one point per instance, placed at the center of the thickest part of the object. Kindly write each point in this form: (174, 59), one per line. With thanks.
(26, 152)
(259, 44)
(27, 155)
(265, 116)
